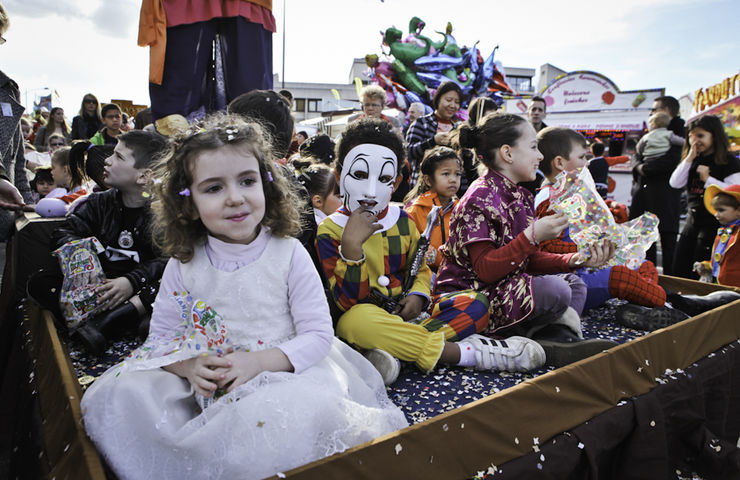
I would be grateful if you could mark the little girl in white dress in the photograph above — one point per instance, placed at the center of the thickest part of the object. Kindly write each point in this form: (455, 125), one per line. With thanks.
(241, 376)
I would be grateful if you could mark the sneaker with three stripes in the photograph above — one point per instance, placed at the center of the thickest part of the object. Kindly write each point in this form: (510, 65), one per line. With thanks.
(513, 354)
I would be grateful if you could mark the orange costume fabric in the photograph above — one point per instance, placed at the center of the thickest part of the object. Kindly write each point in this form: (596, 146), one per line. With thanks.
(729, 265)
(153, 22)
(418, 212)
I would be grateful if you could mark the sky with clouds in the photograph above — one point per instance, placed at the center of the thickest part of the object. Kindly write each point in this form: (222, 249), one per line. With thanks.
(76, 46)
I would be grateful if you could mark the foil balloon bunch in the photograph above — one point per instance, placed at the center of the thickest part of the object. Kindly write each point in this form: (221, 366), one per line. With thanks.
(590, 220)
(412, 67)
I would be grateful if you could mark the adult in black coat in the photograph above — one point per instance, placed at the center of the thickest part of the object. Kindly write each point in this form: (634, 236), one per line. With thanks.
(88, 122)
(652, 193)
(11, 144)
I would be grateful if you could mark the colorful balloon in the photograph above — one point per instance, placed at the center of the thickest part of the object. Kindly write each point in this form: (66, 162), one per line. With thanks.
(418, 65)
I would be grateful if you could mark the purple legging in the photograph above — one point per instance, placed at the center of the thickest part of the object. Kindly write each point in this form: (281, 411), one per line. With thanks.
(553, 294)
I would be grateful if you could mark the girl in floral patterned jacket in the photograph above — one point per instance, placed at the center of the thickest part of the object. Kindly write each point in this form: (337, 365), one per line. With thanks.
(493, 246)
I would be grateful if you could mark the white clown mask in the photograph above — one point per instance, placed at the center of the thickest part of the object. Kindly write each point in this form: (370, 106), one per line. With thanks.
(368, 176)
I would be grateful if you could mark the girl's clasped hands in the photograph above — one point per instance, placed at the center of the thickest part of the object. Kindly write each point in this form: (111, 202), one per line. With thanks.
(208, 373)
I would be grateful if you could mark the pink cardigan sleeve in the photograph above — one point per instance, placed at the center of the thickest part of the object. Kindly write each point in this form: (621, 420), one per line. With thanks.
(166, 313)
(310, 311)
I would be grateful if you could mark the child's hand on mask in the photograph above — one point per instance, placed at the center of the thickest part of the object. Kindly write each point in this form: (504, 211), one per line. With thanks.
(410, 307)
(360, 226)
(114, 292)
(601, 253)
(549, 227)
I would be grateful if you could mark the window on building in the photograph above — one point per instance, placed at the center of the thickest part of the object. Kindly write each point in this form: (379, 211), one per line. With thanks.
(299, 104)
(313, 104)
(520, 84)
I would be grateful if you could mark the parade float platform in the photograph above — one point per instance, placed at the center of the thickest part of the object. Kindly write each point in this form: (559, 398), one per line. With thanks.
(662, 404)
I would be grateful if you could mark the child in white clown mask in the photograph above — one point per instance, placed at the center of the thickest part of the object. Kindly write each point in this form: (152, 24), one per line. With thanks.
(366, 249)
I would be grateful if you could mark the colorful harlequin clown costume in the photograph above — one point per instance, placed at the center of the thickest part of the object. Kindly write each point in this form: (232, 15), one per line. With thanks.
(636, 286)
(367, 180)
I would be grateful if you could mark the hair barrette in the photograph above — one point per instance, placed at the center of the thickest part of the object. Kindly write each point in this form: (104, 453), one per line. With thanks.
(185, 192)
(231, 133)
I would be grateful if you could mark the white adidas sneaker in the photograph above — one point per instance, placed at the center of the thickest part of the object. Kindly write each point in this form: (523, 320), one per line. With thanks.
(513, 354)
(386, 364)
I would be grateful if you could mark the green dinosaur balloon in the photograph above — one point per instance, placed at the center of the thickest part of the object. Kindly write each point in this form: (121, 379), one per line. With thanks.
(408, 78)
(416, 25)
(405, 52)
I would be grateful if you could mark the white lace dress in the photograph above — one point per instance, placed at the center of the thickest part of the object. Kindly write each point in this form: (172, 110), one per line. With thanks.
(146, 423)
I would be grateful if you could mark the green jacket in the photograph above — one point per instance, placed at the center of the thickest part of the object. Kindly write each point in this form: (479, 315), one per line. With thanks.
(99, 138)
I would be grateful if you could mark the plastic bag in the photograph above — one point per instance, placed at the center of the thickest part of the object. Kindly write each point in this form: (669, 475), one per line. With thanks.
(591, 221)
(82, 271)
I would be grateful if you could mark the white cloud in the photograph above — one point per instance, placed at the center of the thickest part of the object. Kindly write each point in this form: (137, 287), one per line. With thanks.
(117, 18)
(43, 8)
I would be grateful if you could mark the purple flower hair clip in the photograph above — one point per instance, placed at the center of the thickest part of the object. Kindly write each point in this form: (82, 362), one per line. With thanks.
(269, 176)
(185, 192)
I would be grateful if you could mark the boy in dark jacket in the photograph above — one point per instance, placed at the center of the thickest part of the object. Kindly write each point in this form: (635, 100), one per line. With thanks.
(120, 219)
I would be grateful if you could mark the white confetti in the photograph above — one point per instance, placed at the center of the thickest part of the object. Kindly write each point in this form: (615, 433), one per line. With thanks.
(462, 425)
(639, 369)
(516, 440)
(581, 445)
(652, 423)
(542, 457)
(557, 389)
(539, 466)
(492, 469)
(718, 448)
(431, 459)
(536, 440)
(445, 427)
(398, 448)
(536, 448)
(280, 475)
(647, 362)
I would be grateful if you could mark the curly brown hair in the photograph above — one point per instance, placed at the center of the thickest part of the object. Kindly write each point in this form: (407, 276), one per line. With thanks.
(176, 231)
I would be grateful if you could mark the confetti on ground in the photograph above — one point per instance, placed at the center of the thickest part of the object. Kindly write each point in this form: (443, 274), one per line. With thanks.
(421, 397)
